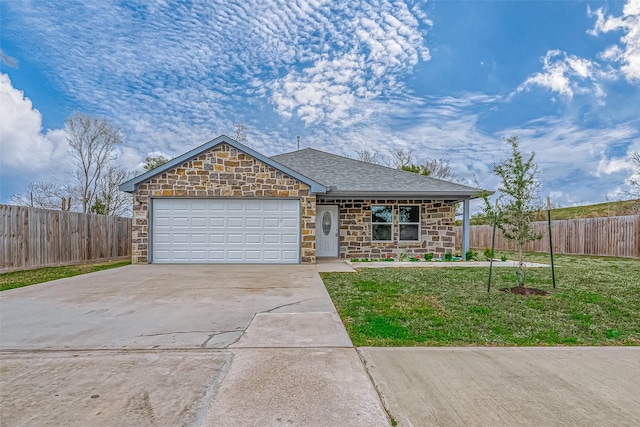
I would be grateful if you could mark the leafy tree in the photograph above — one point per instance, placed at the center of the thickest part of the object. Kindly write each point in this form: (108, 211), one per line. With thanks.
(92, 144)
(99, 207)
(518, 189)
(153, 161)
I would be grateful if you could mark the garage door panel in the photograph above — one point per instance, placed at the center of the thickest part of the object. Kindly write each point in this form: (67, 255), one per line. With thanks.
(271, 223)
(271, 238)
(252, 238)
(217, 222)
(225, 231)
(163, 222)
(253, 223)
(289, 238)
(290, 223)
(180, 238)
(235, 222)
(199, 238)
(180, 221)
(199, 222)
(234, 239)
(253, 255)
(216, 238)
(289, 255)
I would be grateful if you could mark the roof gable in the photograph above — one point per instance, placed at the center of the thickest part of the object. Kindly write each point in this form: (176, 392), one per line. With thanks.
(349, 177)
(132, 185)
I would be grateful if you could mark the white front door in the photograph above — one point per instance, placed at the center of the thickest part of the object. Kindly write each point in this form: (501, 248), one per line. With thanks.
(327, 231)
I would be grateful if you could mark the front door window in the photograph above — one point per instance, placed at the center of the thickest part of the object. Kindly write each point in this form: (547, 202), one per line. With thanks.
(326, 223)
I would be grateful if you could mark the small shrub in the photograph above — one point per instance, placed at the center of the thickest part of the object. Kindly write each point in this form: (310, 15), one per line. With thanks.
(448, 257)
(471, 255)
(428, 257)
(503, 258)
(488, 253)
(354, 260)
(389, 259)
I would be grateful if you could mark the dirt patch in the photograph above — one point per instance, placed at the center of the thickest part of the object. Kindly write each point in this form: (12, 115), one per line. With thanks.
(524, 291)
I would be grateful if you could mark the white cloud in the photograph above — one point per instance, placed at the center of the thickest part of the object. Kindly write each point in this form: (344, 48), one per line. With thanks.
(609, 166)
(567, 75)
(25, 147)
(628, 52)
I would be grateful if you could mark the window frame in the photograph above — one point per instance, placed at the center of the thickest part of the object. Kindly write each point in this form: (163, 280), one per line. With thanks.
(390, 224)
(419, 224)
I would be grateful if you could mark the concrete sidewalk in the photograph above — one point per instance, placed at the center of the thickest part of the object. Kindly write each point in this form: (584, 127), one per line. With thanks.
(194, 345)
(534, 386)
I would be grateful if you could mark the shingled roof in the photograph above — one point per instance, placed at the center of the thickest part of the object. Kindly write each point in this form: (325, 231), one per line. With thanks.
(345, 177)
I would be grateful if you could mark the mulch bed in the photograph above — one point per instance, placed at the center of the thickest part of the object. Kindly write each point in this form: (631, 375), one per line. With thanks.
(523, 290)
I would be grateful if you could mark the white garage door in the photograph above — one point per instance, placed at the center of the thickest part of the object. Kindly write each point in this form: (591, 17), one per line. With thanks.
(225, 231)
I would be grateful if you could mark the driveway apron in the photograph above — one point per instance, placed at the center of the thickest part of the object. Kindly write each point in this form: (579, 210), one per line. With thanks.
(203, 345)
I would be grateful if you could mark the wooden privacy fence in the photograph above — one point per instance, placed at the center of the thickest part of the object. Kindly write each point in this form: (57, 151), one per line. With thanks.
(617, 236)
(31, 237)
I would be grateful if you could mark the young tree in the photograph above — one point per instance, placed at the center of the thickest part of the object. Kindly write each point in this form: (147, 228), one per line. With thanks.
(92, 143)
(518, 189)
(152, 161)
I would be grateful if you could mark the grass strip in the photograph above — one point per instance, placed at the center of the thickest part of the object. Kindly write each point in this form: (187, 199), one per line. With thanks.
(18, 279)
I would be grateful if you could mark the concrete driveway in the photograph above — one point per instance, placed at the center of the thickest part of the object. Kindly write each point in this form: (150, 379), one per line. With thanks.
(181, 345)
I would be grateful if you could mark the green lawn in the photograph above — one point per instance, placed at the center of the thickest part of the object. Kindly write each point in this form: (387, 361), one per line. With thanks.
(596, 302)
(18, 279)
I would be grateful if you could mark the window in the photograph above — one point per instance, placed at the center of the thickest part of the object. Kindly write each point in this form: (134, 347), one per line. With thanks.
(382, 223)
(409, 222)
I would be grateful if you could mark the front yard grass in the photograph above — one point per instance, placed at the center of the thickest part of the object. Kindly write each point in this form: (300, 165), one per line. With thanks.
(596, 302)
(18, 279)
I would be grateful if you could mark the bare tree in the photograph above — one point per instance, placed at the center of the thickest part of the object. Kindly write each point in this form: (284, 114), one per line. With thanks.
(402, 158)
(367, 156)
(241, 132)
(633, 183)
(109, 199)
(153, 161)
(438, 168)
(91, 142)
(44, 195)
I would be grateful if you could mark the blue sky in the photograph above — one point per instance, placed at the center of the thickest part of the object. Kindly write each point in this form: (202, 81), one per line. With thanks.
(444, 79)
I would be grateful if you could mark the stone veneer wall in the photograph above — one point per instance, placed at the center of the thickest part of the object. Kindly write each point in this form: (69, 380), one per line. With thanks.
(223, 171)
(437, 228)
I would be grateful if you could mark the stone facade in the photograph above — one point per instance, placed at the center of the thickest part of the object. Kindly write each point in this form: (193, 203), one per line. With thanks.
(437, 220)
(223, 171)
